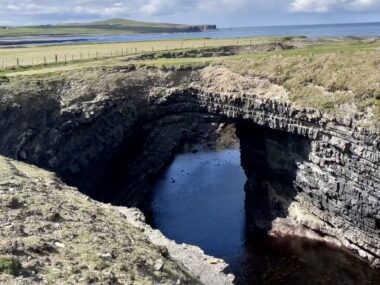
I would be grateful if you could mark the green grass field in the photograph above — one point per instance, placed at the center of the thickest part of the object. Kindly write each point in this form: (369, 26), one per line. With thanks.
(9, 57)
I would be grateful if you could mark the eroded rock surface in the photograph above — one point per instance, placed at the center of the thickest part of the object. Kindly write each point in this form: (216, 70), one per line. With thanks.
(206, 267)
(333, 190)
(322, 174)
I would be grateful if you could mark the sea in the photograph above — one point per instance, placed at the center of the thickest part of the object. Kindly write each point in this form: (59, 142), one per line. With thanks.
(311, 31)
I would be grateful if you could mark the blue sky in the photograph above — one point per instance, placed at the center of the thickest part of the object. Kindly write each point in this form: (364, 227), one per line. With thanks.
(224, 13)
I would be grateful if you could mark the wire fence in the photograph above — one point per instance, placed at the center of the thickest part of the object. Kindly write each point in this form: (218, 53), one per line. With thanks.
(61, 56)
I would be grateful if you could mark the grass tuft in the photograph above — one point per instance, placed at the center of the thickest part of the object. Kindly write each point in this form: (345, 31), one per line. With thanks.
(10, 266)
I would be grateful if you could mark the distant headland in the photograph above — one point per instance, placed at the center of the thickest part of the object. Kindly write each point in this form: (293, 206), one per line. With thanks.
(104, 27)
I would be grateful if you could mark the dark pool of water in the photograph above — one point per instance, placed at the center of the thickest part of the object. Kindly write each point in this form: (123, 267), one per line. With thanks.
(188, 205)
(199, 200)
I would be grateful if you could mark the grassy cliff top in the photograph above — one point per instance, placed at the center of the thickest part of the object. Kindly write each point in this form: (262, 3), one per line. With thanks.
(340, 76)
(127, 23)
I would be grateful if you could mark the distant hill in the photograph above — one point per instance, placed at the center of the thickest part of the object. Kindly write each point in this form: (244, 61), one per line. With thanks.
(105, 27)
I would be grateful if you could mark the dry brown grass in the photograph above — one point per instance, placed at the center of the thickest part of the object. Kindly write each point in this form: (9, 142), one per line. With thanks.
(52, 234)
(328, 80)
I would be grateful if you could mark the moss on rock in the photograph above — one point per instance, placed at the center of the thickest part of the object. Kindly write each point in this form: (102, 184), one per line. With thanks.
(10, 266)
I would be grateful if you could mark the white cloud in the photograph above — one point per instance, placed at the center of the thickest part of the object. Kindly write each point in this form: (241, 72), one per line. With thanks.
(233, 12)
(142, 8)
(164, 7)
(320, 6)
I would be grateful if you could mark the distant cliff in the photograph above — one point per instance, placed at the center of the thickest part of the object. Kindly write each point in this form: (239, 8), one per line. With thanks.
(202, 28)
(106, 27)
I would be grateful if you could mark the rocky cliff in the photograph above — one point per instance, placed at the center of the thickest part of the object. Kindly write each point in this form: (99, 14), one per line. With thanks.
(315, 174)
(320, 173)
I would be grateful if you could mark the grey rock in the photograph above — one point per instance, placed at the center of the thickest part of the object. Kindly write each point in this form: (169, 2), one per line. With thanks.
(333, 163)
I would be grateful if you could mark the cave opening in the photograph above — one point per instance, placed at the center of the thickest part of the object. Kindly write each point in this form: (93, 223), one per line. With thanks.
(221, 185)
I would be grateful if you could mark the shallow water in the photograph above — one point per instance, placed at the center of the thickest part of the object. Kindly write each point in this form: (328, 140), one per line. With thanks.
(200, 200)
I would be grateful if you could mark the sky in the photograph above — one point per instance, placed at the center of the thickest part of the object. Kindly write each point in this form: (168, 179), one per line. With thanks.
(223, 13)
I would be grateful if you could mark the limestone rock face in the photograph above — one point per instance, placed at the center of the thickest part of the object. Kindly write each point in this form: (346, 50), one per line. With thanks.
(317, 175)
(321, 180)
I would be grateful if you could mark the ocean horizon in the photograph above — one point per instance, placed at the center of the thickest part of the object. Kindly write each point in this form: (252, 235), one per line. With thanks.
(371, 29)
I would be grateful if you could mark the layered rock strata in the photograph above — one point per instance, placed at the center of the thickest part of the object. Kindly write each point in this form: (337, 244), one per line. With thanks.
(317, 175)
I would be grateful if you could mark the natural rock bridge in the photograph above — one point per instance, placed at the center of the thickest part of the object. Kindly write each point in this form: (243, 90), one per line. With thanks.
(309, 173)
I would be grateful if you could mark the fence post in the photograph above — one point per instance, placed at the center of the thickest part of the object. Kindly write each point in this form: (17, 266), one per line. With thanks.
(65, 58)
(56, 58)
(81, 56)
(44, 59)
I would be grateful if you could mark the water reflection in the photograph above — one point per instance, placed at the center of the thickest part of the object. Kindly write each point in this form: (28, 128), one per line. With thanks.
(298, 261)
(200, 200)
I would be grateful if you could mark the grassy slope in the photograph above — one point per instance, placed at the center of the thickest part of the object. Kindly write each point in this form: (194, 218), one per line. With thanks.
(333, 77)
(64, 244)
(113, 26)
(337, 77)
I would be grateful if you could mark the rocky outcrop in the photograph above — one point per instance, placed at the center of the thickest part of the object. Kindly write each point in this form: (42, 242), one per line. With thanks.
(330, 165)
(335, 184)
(317, 175)
(201, 28)
(208, 269)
